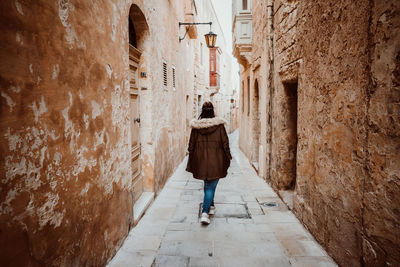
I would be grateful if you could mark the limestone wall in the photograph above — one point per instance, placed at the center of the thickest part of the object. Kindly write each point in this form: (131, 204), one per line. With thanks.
(381, 197)
(333, 82)
(244, 117)
(329, 118)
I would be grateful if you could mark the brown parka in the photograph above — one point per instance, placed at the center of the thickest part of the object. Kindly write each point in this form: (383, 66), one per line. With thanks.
(209, 153)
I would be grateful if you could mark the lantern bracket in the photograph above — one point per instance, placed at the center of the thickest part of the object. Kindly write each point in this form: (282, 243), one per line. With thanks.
(190, 24)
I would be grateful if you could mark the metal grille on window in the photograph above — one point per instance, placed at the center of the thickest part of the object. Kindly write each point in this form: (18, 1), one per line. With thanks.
(165, 74)
(173, 77)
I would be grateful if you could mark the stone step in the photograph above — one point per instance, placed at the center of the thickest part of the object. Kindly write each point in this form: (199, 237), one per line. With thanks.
(144, 201)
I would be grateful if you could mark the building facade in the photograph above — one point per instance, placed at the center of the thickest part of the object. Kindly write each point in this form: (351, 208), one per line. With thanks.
(220, 85)
(319, 102)
(95, 102)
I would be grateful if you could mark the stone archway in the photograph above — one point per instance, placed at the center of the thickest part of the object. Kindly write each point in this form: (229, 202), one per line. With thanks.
(256, 125)
(143, 184)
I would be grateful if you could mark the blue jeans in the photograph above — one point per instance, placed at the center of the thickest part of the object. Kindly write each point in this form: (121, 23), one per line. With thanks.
(209, 192)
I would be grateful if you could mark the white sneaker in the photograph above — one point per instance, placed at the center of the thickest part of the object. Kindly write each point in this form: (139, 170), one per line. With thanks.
(212, 210)
(205, 218)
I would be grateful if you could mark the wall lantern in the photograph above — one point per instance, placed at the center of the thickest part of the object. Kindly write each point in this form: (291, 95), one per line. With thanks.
(211, 37)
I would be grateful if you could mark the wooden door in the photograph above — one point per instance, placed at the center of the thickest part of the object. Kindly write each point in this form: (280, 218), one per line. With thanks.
(134, 106)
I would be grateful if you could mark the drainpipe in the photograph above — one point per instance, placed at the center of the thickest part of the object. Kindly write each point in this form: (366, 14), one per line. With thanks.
(270, 49)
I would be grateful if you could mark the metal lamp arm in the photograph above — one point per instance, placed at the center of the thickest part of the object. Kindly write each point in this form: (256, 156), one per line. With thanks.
(190, 24)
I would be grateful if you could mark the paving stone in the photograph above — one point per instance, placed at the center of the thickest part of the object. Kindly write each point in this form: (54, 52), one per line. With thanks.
(276, 217)
(170, 261)
(189, 235)
(256, 211)
(240, 220)
(185, 218)
(302, 248)
(253, 205)
(178, 226)
(151, 227)
(234, 261)
(258, 228)
(203, 261)
(229, 248)
(249, 198)
(312, 262)
(170, 233)
(225, 227)
(138, 258)
(290, 231)
(189, 248)
(142, 242)
(198, 227)
(194, 186)
(225, 210)
(264, 249)
(161, 213)
(227, 198)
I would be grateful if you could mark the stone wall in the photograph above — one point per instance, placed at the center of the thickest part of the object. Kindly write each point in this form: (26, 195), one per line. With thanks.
(329, 117)
(333, 82)
(245, 119)
(381, 187)
(66, 190)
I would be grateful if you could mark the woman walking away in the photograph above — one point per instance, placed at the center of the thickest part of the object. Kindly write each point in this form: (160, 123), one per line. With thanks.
(209, 155)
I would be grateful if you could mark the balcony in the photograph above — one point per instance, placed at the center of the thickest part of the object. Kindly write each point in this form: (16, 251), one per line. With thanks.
(242, 35)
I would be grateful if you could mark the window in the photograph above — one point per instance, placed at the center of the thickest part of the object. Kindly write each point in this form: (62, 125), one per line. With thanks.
(199, 104)
(248, 96)
(173, 77)
(165, 76)
(201, 53)
(243, 96)
(244, 4)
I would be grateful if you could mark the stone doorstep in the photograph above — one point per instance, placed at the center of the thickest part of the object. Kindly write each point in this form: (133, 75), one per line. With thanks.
(141, 205)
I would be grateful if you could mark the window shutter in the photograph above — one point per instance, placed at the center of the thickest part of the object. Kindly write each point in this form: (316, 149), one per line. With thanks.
(165, 74)
(173, 77)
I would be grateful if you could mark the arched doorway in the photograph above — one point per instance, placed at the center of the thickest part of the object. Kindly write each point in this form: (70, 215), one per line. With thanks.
(138, 32)
(256, 125)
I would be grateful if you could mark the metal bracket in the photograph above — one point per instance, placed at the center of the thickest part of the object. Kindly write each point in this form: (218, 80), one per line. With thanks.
(190, 24)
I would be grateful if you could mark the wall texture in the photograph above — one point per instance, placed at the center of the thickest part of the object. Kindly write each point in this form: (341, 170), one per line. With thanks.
(66, 187)
(329, 111)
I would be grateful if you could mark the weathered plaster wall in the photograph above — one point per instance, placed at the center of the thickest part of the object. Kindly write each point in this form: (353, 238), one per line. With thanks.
(65, 163)
(66, 191)
(168, 112)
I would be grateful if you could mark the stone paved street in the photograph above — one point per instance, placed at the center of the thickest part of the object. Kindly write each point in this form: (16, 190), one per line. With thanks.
(243, 232)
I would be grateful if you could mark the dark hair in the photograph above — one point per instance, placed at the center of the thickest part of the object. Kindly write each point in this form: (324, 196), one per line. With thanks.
(207, 111)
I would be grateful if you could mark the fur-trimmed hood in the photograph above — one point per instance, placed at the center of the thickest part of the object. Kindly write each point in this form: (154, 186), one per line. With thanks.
(207, 123)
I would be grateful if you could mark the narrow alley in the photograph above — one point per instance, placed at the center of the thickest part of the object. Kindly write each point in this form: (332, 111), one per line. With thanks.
(101, 102)
(251, 227)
